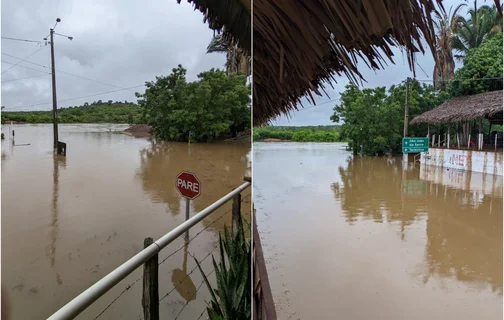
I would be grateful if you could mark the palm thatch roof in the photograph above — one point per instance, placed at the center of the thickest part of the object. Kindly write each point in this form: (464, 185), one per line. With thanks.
(299, 45)
(484, 105)
(231, 17)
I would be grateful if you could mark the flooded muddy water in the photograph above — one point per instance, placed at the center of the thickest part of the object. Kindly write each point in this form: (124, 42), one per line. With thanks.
(362, 238)
(67, 222)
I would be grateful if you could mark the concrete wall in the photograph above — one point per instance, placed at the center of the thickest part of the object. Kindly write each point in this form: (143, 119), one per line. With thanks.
(481, 183)
(476, 161)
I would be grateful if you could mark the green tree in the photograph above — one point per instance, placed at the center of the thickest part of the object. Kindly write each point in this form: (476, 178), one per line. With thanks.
(214, 106)
(483, 62)
(104, 113)
(471, 33)
(445, 25)
(373, 118)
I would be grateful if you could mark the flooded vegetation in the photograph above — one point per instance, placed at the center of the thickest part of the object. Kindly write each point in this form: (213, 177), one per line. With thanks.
(68, 221)
(367, 239)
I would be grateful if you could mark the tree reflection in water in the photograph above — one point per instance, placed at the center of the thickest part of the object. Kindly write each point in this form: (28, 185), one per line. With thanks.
(463, 226)
(220, 167)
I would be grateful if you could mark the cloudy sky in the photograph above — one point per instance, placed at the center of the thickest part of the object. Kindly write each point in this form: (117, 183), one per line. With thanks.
(392, 74)
(118, 43)
(125, 43)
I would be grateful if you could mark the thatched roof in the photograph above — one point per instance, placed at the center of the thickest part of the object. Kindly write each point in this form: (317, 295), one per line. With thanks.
(299, 45)
(484, 105)
(231, 17)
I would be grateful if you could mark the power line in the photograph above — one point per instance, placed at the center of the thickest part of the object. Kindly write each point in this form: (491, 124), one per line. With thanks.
(76, 98)
(18, 79)
(453, 80)
(318, 105)
(68, 73)
(23, 66)
(17, 39)
(23, 59)
(419, 80)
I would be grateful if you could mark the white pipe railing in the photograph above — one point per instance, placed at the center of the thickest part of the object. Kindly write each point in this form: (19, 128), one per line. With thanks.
(90, 295)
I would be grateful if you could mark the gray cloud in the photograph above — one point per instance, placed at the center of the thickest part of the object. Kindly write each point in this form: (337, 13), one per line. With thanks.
(392, 74)
(123, 43)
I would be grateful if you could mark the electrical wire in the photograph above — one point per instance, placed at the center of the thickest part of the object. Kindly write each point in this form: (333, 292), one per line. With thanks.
(18, 79)
(21, 60)
(419, 80)
(64, 72)
(23, 66)
(76, 98)
(17, 39)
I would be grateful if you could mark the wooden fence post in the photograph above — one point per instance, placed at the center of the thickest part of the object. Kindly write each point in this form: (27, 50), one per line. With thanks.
(150, 293)
(236, 215)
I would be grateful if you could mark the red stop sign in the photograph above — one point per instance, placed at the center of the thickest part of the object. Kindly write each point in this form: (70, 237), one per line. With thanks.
(188, 185)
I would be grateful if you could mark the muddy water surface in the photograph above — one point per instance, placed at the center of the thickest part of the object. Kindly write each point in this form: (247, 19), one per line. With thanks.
(67, 222)
(362, 239)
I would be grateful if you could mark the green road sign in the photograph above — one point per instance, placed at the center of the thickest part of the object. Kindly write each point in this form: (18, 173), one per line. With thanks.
(413, 145)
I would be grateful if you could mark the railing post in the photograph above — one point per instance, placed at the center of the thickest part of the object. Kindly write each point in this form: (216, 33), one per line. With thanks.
(236, 214)
(150, 293)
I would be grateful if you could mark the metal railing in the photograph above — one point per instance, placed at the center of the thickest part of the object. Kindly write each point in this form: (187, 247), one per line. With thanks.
(93, 293)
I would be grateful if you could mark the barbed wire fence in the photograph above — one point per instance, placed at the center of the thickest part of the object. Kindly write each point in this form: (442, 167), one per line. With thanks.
(186, 243)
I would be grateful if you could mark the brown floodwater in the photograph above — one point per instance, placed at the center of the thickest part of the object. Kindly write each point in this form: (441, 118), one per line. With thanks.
(67, 222)
(360, 238)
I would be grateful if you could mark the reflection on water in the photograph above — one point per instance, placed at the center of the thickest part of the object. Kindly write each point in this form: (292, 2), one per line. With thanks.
(59, 161)
(463, 225)
(420, 243)
(69, 221)
(161, 162)
(183, 282)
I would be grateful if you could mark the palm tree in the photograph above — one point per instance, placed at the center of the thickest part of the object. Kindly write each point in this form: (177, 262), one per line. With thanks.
(444, 68)
(236, 59)
(469, 34)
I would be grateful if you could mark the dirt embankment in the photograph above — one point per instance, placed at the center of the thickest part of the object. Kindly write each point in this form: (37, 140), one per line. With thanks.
(242, 136)
(143, 130)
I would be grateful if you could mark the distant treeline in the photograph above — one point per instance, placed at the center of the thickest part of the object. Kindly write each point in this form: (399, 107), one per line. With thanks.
(298, 134)
(96, 112)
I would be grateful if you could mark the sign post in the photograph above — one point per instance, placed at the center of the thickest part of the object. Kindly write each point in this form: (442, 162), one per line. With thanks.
(189, 187)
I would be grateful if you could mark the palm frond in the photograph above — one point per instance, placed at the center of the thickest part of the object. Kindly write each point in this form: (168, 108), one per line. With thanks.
(218, 44)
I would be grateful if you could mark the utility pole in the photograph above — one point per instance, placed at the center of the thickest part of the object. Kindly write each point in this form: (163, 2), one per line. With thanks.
(55, 106)
(406, 119)
(53, 74)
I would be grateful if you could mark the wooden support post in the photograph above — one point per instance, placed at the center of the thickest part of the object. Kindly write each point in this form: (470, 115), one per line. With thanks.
(469, 142)
(439, 141)
(496, 142)
(150, 294)
(458, 141)
(428, 130)
(236, 215)
(481, 134)
(448, 137)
